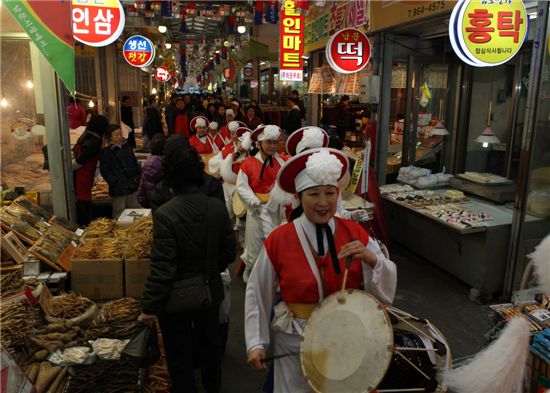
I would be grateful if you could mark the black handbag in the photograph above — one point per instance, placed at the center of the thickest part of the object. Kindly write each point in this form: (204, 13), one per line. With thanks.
(192, 294)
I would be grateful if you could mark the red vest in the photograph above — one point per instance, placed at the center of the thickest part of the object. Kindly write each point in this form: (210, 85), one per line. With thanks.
(218, 140)
(296, 280)
(181, 126)
(252, 167)
(201, 148)
(230, 149)
(224, 132)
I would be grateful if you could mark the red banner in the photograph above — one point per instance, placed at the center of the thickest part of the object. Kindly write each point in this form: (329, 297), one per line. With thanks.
(291, 44)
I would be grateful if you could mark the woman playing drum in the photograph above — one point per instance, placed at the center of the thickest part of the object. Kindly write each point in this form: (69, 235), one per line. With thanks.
(306, 259)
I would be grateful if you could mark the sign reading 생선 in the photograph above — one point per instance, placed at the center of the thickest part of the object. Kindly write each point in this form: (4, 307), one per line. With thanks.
(138, 51)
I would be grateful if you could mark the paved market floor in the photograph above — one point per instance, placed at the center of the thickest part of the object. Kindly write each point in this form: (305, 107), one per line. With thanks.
(422, 290)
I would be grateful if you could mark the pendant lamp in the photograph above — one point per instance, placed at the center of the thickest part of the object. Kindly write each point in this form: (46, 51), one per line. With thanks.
(439, 128)
(487, 136)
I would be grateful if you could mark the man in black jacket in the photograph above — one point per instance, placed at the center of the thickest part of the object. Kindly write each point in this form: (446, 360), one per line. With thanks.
(127, 117)
(152, 123)
(344, 118)
(188, 229)
(294, 118)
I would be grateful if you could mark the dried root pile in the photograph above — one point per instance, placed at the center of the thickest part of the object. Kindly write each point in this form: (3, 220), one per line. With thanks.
(100, 248)
(126, 309)
(66, 306)
(16, 322)
(140, 235)
(105, 377)
(100, 228)
(11, 283)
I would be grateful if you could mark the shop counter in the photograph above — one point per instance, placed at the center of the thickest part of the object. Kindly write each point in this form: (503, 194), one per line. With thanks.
(475, 255)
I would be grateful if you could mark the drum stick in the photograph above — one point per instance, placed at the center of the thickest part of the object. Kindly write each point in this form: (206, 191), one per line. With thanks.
(348, 264)
(413, 365)
(284, 355)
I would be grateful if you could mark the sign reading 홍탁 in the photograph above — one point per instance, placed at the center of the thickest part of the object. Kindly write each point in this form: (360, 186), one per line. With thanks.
(486, 33)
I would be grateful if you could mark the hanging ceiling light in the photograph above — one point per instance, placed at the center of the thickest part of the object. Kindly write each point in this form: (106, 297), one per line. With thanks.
(4, 103)
(241, 29)
(487, 136)
(168, 45)
(154, 90)
(440, 128)
(91, 104)
(162, 29)
(29, 85)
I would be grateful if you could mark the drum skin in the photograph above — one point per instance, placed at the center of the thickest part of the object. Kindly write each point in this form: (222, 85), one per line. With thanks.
(238, 206)
(346, 344)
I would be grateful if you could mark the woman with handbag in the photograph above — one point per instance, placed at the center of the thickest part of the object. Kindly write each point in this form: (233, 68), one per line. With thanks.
(193, 242)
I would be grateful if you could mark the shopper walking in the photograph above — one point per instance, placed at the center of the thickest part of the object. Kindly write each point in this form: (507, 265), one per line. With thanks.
(181, 119)
(120, 169)
(192, 235)
(170, 113)
(152, 124)
(76, 114)
(127, 117)
(86, 155)
(152, 172)
(293, 120)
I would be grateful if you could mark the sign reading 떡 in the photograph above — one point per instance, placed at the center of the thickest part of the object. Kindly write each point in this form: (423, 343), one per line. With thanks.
(291, 43)
(348, 51)
(162, 74)
(97, 22)
(138, 51)
(486, 33)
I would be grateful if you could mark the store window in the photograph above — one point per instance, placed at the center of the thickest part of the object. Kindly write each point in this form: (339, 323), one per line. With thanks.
(23, 128)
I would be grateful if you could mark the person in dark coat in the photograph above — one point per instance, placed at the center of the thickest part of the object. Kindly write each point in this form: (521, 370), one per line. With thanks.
(344, 118)
(127, 117)
(210, 185)
(86, 155)
(294, 118)
(152, 124)
(152, 172)
(170, 113)
(184, 228)
(121, 170)
(252, 120)
(294, 94)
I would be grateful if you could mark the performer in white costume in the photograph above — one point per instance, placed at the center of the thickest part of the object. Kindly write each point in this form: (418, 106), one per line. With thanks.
(305, 260)
(254, 183)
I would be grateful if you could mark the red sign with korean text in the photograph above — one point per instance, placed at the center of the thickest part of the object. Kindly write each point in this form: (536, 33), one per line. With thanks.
(291, 43)
(162, 74)
(97, 22)
(138, 51)
(348, 51)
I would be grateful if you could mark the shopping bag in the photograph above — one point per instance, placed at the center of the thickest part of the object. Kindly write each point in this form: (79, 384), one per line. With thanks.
(143, 349)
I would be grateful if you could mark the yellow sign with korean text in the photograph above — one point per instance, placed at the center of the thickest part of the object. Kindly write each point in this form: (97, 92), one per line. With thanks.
(387, 13)
(487, 33)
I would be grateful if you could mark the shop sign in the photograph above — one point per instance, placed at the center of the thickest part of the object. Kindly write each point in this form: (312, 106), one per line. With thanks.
(162, 74)
(45, 22)
(326, 21)
(385, 14)
(21, 128)
(291, 43)
(97, 22)
(487, 33)
(138, 51)
(348, 51)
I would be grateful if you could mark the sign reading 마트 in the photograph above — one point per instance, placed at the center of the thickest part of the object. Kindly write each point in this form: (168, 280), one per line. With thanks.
(348, 51)
(97, 22)
(138, 51)
(291, 44)
(162, 74)
(486, 34)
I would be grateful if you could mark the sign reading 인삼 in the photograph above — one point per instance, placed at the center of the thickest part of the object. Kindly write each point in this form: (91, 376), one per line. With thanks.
(97, 22)
(162, 74)
(348, 51)
(138, 51)
(291, 43)
(488, 33)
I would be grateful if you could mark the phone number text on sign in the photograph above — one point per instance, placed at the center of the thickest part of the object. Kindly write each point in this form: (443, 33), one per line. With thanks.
(97, 22)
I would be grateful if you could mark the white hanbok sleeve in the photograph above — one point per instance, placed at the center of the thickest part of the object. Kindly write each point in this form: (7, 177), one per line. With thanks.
(260, 293)
(381, 281)
(215, 163)
(247, 196)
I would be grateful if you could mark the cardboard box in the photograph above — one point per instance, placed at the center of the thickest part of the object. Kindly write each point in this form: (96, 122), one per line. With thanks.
(128, 216)
(136, 272)
(98, 279)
